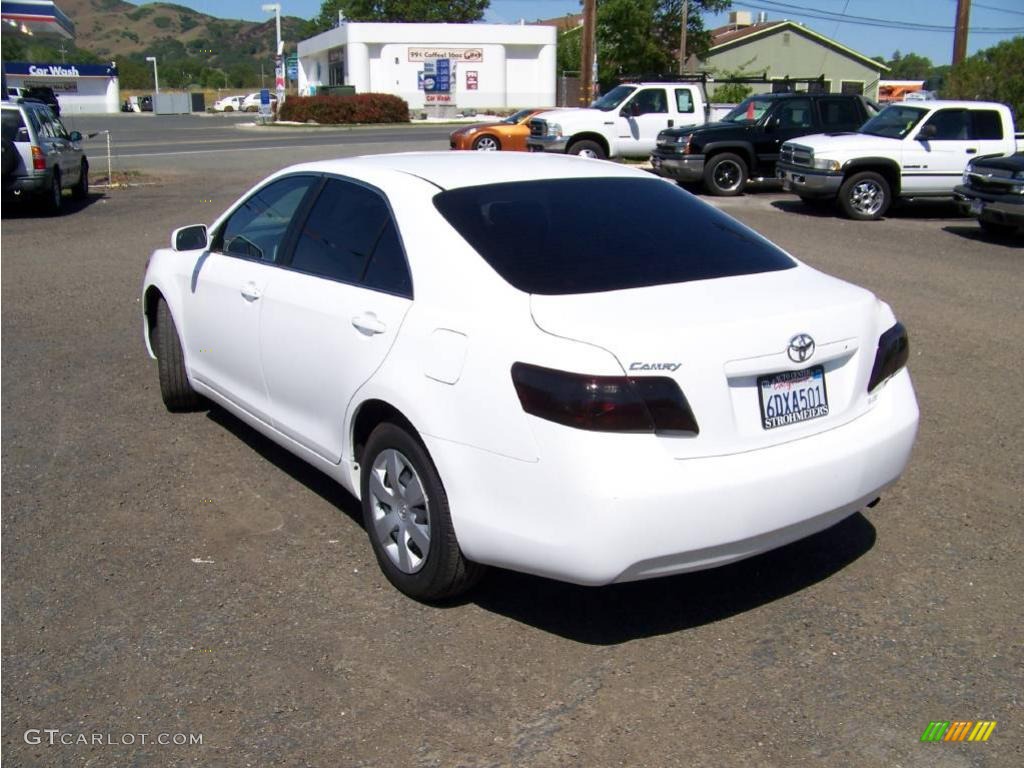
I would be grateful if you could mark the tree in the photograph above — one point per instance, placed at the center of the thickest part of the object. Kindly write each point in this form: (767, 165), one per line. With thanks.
(642, 36)
(452, 11)
(909, 67)
(570, 45)
(995, 74)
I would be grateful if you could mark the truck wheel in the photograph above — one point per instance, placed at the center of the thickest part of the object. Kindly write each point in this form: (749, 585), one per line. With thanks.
(587, 148)
(865, 196)
(725, 175)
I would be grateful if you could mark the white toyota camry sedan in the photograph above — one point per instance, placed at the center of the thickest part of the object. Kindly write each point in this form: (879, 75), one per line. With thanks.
(545, 363)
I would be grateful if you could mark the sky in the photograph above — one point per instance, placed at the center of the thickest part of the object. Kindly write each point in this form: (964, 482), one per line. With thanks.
(1005, 17)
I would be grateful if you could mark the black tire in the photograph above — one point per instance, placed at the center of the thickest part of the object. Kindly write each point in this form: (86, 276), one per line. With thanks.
(996, 229)
(865, 196)
(54, 197)
(442, 572)
(487, 143)
(8, 158)
(588, 148)
(81, 190)
(175, 390)
(726, 175)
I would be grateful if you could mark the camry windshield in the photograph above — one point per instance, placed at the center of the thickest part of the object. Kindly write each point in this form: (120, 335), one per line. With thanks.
(894, 122)
(515, 118)
(613, 98)
(749, 110)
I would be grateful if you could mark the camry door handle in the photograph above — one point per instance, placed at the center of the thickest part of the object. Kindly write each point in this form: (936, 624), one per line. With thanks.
(368, 323)
(250, 292)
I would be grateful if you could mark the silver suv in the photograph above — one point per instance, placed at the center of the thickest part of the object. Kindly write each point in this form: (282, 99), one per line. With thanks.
(40, 158)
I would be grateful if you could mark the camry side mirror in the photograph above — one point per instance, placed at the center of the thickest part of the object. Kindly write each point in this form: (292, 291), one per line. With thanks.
(927, 132)
(191, 238)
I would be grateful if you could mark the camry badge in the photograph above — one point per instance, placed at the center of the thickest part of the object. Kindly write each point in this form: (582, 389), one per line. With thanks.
(801, 347)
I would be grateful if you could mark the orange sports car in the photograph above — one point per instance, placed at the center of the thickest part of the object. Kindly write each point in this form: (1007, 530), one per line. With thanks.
(508, 134)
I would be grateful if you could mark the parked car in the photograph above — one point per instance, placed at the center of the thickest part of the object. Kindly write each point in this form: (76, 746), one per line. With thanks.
(993, 192)
(43, 93)
(745, 144)
(509, 134)
(908, 150)
(251, 103)
(542, 363)
(229, 104)
(40, 158)
(625, 122)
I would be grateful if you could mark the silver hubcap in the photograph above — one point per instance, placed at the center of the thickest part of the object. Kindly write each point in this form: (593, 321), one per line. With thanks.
(401, 521)
(587, 153)
(866, 197)
(727, 175)
(486, 144)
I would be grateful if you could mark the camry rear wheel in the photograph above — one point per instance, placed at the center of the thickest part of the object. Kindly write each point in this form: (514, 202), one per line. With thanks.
(405, 511)
(177, 393)
(487, 144)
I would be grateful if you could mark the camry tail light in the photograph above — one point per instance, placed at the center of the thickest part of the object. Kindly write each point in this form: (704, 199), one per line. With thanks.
(38, 159)
(604, 403)
(893, 352)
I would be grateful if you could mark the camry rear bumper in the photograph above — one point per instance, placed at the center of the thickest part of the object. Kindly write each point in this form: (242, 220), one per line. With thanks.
(593, 514)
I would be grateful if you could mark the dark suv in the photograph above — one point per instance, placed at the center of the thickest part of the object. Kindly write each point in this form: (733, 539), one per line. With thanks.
(993, 191)
(745, 144)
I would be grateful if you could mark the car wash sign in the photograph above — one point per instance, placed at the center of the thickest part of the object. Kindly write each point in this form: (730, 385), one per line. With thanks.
(26, 69)
(437, 80)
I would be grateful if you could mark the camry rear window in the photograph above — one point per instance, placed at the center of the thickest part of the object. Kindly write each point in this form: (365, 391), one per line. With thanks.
(563, 236)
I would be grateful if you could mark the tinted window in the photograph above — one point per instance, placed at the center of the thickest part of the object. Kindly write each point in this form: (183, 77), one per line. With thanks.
(985, 124)
(839, 113)
(650, 100)
(257, 228)
(387, 270)
(567, 236)
(950, 125)
(684, 100)
(12, 123)
(795, 113)
(341, 232)
(893, 121)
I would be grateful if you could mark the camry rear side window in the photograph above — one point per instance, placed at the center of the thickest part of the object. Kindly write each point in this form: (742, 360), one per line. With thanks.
(566, 236)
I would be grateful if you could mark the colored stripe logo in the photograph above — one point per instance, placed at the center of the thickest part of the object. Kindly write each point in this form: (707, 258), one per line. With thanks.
(958, 730)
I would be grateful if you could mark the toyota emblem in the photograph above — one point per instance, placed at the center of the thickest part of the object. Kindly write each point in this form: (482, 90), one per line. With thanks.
(801, 347)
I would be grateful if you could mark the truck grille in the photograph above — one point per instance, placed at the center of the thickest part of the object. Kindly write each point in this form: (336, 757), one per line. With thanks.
(538, 127)
(995, 181)
(794, 154)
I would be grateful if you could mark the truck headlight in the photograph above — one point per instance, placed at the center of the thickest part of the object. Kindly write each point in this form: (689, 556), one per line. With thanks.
(554, 129)
(822, 164)
(966, 178)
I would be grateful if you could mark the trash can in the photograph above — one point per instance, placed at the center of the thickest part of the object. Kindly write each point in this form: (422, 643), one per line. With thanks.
(198, 102)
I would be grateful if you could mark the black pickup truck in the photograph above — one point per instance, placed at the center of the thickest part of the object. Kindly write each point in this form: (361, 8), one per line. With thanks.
(993, 191)
(745, 143)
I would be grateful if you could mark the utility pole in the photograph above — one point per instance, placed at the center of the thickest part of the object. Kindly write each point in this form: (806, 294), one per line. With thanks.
(963, 13)
(682, 36)
(587, 52)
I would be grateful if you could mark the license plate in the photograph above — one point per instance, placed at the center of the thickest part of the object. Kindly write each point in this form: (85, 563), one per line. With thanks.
(976, 206)
(792, 397)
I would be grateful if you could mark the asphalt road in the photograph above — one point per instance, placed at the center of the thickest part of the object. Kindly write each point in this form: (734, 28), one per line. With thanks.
(182, 575)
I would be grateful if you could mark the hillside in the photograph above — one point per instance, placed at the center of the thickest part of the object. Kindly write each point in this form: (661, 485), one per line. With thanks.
(191, 47)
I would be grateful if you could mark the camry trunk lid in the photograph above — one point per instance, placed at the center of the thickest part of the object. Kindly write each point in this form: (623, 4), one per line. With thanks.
(727, 343)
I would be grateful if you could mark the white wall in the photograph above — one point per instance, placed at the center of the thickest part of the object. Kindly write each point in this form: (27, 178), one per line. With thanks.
(94, 95)
(517, 68)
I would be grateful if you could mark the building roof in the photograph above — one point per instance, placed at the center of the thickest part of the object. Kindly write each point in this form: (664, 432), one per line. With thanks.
(731, 36)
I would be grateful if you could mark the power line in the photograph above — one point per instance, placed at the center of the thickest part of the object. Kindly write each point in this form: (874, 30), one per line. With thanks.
(869, 21)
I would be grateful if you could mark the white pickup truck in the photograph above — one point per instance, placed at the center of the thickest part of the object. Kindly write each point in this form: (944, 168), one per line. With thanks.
(908, 150)
(625, 122)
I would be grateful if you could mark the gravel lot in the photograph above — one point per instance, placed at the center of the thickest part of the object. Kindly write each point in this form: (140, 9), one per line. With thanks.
(182, 575)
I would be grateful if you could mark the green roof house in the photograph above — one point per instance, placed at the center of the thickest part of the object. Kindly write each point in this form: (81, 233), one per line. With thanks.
(782, 49)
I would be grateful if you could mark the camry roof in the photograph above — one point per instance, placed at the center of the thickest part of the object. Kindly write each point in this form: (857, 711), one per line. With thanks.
(451, 170)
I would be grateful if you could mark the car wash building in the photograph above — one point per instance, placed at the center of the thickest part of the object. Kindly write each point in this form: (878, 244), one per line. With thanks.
(81, 89)
(463, 65)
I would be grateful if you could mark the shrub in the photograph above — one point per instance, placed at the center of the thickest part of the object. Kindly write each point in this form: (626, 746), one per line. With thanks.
(162, 21)
(360, 108)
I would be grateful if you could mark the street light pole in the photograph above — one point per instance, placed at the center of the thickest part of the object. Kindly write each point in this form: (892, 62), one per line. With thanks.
(156, 80)
(275, 8)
